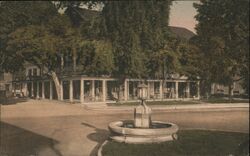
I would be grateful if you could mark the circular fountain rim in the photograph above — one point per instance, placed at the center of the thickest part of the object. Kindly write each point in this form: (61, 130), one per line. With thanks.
(116, 127)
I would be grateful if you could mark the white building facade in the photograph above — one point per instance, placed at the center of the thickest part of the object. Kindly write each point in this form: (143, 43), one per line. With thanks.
(87, 90)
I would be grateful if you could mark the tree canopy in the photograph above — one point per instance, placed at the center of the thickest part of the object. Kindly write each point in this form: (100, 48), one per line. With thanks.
(45, 39)
(124, 39)
(14, 15)
(138, 31)
(223, 38)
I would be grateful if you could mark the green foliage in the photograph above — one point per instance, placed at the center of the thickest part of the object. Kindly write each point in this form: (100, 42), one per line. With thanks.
(43, 44)
(137, 29)
(223, 38)
(17, 14)
(164, 61)
(96, 58)
(245, 82)
(189, 59)
(125, 39)
(31, 44)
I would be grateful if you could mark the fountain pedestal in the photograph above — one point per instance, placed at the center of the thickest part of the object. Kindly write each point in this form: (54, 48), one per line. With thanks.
(142, 129)
(142, 116)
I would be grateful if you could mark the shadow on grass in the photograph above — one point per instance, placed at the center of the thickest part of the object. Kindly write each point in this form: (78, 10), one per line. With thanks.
(16, 141)
(225, 100)
(99, 136)
(189, 143)
(12, 101)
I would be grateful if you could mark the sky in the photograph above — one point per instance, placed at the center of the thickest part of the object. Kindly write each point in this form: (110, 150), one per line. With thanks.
(182, 14)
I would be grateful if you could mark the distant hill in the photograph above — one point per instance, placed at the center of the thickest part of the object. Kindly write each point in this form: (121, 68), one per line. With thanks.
(181, 32)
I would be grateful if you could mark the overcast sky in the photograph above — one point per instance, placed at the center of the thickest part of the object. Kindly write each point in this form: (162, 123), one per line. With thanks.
(182, 14)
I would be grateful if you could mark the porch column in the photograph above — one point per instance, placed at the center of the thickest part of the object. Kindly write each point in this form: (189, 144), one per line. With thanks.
(32, 89)
(161, 89)
(188, 90)
(153, 91)
(198, 89)
(176, 90)
(104, 90)
(149, 89)
(21, 89)
(25, 92)
(61, 90)
(37, 90)
(43, 96)
(126, 84)
(134, 89)
(50, 90)
(71, 90)
(82, 90)
(232, 90)
(93, 90)
(14, 84)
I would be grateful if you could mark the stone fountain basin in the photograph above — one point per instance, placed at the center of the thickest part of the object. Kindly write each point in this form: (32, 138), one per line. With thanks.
(123, 131)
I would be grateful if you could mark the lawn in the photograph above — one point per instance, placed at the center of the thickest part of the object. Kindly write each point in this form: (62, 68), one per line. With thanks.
(155, 103)
(210, 100)
(225, 100)
(189, 143)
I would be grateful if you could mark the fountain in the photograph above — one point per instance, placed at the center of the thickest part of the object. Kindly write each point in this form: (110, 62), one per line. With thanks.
(142, 129)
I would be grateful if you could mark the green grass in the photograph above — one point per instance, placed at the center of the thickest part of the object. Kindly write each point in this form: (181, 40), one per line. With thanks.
(155, 103)
(223, 100)
(210, 100)
(189, 143)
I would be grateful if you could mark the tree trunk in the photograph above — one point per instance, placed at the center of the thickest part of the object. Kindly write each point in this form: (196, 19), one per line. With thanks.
(163, 87)
(119, 94)
(74, 63)
(205, 89)
(74, 59)
(121, 81)
(230, 89)
(62, 62)
(57, 84)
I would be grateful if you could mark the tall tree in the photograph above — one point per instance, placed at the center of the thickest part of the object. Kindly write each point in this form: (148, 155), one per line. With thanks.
(46, 44)
(223, 37)
(35, 32)
(15, 14)
(137, 30)
(36, 45)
